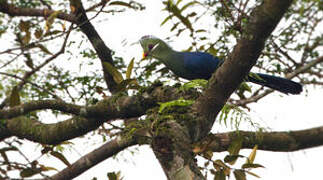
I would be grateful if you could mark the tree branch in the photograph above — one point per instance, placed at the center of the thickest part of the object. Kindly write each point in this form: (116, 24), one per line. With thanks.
(103, 52)
(87, 119)
(11, 10)
(284, 141)
(228, 77)
(298, 71)
(93, 158)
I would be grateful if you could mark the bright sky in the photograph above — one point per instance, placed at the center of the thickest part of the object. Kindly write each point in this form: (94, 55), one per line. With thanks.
(277, 111)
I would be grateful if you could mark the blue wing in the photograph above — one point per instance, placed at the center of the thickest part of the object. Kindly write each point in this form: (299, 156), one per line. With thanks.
(199, 65)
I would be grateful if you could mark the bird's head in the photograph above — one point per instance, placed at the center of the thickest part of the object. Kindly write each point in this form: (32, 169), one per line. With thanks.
(153, 46)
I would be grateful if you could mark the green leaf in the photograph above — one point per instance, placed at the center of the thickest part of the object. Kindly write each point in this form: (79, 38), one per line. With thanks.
(14, 99)
(178, 102)
(252, 155)
(179, 1)
(50, 20)
(248, 165)
(114, 176)
(129, 69)
(166, 19)
(47, 168)
(231, 158)
(117, 76)
(219, 163)
(127, 84)
(188, 5)
(30, 172)
(244, 87)
(196, 83)
(61, 157)
(252, 174)
(239, 174)
(44, 49)
(219, 175)
(235, 147)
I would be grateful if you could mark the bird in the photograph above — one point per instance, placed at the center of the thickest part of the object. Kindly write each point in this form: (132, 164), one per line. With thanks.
(201, 65)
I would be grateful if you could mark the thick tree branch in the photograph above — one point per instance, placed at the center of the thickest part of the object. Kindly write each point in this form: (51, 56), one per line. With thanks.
(93, 158)
(109, 108)
(284, 141)
(17, 11)
(88, 119)
(103, 52)
(228, 77)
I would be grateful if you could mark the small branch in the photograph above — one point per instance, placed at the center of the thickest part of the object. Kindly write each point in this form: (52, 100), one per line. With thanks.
(93, 158)
(28, 74)
(103, 52)
(11, 10)
(285, 141)
(288, 76)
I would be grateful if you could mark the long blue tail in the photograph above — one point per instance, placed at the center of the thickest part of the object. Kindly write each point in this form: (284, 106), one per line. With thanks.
(277, 83)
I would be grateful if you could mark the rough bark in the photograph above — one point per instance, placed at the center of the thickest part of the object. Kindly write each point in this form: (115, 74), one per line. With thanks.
(225, 80)
(15, 11)
(91, 159)
(284, 141)
(228, 77)
(103, 52)
(86, 118)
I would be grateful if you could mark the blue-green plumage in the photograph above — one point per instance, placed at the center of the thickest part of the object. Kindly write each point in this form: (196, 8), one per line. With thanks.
(200, 65)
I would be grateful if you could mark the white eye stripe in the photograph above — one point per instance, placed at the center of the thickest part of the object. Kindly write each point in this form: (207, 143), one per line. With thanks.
(155, 47)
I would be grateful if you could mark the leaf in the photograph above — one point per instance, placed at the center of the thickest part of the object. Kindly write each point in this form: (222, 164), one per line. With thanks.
(253, 174)
(30, 172)
(187, 5)
(38, 33)
(61, 157)
(252, 155)
(231, 158)
(208, 154)
(117, 76)
(179, 1)
(166, 19)
(248, 165)
(196, 83)
(14, 97)
(26, 39)
(114, 176)
(244, 87)
(219, 163)
(44, 49)
(219, 175)
(127, 84)
(24, 26)
(235, 147)
(47, 168)
(50, 20)
(239, 174)
(178, 102)
(129, 69)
